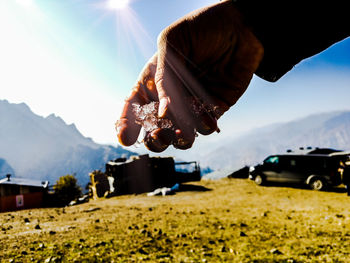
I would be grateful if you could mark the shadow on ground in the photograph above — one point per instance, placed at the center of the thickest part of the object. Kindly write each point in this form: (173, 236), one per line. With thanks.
(193, 188)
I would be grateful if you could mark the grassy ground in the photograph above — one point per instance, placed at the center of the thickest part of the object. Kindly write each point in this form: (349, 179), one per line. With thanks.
(228, 220)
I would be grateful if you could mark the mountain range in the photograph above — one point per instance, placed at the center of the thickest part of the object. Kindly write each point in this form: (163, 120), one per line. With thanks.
(46, 148)
(5, 168)
(324, 130)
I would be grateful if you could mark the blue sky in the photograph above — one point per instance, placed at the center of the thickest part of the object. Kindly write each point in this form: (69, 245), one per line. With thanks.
(79, 59)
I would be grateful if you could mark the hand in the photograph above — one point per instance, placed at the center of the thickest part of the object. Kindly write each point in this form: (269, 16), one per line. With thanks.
(204, 63)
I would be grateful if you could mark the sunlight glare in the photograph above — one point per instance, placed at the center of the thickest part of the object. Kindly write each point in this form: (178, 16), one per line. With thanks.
(118, 4)
(25, 3)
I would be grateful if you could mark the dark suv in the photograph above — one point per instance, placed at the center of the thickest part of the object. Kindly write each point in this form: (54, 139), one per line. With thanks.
(316, 170)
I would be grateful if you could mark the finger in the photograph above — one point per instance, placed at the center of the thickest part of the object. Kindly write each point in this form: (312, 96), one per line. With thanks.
(206, 123)
(204, 115)
(143, 92)
(184, 139)
(159, 140)
(127, 128)
(171, 66)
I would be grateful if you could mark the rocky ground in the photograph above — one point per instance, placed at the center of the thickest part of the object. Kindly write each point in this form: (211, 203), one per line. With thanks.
(227, 220)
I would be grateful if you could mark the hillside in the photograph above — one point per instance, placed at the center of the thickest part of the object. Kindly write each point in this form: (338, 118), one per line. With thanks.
(47, 148)
(327, 130)
(209, 221)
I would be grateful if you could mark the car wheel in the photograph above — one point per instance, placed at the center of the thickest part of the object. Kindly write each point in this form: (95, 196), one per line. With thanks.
(317, 184)
(259, 180)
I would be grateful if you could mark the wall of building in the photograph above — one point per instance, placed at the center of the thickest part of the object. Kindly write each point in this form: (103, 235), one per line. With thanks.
(21, 201)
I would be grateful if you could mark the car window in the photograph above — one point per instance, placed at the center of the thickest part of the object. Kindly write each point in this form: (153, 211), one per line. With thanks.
(272, 160)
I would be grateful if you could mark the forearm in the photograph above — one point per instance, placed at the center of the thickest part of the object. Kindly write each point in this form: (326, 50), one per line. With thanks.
(291, 31)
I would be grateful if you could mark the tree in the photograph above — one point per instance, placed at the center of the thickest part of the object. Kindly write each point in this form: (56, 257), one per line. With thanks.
(67, 189)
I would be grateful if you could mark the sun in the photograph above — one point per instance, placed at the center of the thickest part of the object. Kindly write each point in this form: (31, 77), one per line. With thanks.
(117, 4)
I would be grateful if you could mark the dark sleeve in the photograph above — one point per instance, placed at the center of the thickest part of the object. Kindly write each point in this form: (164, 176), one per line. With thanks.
(291, 31)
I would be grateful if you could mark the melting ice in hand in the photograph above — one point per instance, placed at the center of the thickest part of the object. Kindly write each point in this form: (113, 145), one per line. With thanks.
(147, 117)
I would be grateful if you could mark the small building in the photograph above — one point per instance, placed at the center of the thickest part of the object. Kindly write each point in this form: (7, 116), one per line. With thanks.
(21, 193)
(140, 174)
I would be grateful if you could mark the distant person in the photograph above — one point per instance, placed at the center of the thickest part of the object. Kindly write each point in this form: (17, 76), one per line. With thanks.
(206, 59)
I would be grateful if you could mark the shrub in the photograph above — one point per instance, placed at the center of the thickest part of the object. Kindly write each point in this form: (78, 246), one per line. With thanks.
(67, 189)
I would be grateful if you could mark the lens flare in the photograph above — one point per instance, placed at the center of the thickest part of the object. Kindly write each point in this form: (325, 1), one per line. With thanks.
(117, 4)
(131, 38)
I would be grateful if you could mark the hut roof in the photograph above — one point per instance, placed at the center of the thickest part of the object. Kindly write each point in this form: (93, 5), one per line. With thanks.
(9, 180)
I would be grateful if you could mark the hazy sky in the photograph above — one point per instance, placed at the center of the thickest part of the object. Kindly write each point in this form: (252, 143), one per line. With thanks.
(79, 59)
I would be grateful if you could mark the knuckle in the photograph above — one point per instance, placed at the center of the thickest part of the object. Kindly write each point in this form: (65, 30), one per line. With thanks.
(171, 34)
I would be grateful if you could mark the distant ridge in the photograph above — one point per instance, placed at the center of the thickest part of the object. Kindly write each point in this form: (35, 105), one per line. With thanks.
(46, 148)
(5, 168)
(326, 130)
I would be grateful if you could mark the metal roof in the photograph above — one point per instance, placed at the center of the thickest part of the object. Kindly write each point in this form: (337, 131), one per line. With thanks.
(24, 182)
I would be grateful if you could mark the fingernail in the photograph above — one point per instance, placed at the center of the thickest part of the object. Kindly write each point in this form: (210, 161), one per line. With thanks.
(163, 104)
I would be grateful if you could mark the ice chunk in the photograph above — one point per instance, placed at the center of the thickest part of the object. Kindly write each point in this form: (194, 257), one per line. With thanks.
(147, 117)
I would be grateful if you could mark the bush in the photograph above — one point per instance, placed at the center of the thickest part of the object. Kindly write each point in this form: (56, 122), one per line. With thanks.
(67, 189)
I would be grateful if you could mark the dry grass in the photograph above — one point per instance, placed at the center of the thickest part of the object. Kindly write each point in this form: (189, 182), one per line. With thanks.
(236, 221)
